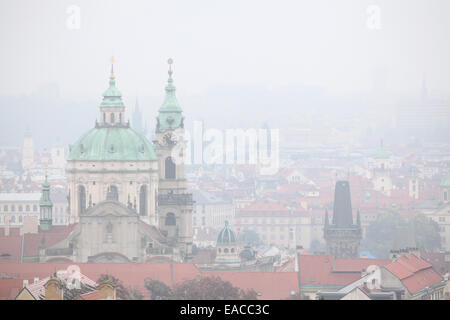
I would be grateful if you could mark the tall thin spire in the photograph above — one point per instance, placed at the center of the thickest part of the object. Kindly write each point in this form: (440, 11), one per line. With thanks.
(112, 68)
(169, 114)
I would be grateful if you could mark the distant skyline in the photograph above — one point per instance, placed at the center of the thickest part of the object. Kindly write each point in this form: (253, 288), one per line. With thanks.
(326, 44)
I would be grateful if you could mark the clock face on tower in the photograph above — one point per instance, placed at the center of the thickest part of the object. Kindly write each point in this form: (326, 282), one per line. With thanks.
(169, 139)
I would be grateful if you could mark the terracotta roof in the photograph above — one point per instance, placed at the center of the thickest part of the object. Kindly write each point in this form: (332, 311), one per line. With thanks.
(414, 273)
(32, 241)
(271, 285)
(326, 271)
(357, 264)
(132, 275)
(10, 248)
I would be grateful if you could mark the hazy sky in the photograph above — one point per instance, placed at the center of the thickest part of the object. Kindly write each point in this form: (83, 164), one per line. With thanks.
(269, 43)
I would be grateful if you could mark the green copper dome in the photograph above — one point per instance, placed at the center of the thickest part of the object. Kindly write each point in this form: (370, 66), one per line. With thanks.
(226, 235)
(112, 143)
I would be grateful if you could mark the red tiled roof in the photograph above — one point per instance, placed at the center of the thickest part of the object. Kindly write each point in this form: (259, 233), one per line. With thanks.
(9, 288)
(324, 270)
(131, 275)
(271, 285)
(32, 241)
(357, 264)
(10, 249)
(414, 272)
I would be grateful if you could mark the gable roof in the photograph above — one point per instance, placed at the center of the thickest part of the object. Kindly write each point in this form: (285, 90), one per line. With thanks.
(415, 273)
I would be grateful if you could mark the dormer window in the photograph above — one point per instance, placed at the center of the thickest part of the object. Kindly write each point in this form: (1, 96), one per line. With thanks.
(112, 149)
(82, 148)
(141, 148)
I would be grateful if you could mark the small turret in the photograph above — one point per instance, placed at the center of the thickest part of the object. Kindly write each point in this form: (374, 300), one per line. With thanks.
(46, 207)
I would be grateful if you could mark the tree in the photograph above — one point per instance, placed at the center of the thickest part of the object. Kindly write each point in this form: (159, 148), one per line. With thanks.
(426, 233)
(122, 293)
(211, 288)
(249, 236)
(392, 231)
(158, 289)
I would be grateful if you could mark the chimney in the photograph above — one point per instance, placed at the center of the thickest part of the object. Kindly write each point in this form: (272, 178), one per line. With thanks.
(24, 283)
(36, 280)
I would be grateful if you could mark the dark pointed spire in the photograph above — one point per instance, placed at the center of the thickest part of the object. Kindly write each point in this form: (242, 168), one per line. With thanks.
(342, 210)
(326, 218)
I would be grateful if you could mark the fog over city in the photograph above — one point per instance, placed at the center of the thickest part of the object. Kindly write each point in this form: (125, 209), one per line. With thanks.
(224, 144)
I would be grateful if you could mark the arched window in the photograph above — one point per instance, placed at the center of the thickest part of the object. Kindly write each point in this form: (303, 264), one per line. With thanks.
(120, 117)
(143, 200)
(13, 219)
(225, 250)
(20, 219)
(13, 208)
(113, 193)
(27, 208)
(445, 195)
(170, 168)
(5, 207)
(232, 250)
(34, 208)
(104, 117)
(20, 208)
(170, 219)
(112, 117)
(81, 199)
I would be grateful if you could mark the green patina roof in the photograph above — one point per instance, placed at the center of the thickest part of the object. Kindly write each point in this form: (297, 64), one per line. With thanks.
(445, 182)
(226, 235)
(112, 143)
(170, 114)
(112, 97)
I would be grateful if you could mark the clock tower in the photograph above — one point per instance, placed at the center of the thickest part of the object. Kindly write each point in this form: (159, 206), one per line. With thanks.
(175, 204)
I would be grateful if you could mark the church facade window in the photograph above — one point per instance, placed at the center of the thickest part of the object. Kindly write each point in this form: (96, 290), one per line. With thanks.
(170, 168)
(114, 193)
(143, 200)
(170, 219)
(112, 118)
(81, 199)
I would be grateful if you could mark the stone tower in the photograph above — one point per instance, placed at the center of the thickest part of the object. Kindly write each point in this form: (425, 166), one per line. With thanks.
(28, 151)
(342, 235)
(174, 203)
(381, 171)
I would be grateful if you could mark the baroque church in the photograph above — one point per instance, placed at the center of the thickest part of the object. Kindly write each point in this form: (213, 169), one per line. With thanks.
(128, 200)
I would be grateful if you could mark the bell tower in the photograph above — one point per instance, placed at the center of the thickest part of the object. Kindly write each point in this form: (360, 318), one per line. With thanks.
(174, 203)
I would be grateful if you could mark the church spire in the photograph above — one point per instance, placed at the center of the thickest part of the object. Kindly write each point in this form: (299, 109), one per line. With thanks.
(45, 206)
(169, 114)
